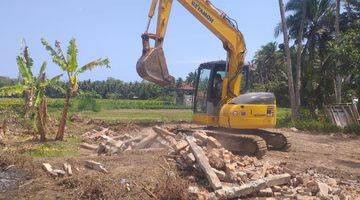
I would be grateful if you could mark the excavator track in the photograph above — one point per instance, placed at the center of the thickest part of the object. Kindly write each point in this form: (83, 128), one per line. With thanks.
(275, 140)
(237, 143)
(250, 142)
(242, 144)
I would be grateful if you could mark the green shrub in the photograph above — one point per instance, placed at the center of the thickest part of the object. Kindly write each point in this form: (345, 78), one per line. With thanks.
(316, 125)
(352, 129)
(87, 101)
(56, 104)
(12, 104)
(284, 121)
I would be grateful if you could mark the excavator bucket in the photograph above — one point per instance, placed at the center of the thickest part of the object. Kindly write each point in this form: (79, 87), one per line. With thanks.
(152, 64)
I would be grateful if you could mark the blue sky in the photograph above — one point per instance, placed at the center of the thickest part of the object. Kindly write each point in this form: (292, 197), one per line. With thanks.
(112, 29)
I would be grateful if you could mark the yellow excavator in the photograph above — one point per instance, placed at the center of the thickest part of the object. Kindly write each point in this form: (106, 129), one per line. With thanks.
(236, 118)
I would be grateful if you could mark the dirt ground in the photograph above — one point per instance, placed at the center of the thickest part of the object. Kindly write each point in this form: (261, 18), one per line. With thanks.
(335, 155)
(143, 175)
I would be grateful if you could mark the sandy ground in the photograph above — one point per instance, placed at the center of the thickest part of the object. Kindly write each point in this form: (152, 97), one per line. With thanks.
(335, 155)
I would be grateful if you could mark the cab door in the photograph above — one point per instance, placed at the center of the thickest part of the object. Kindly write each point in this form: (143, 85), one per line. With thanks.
(203, 108)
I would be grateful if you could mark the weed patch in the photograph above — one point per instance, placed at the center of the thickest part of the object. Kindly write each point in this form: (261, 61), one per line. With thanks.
(55, 149)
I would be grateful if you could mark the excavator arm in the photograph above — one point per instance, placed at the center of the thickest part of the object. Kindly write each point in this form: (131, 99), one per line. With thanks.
(152, 65)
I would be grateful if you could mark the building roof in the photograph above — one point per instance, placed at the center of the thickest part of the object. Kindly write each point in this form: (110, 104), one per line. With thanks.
(186, 87)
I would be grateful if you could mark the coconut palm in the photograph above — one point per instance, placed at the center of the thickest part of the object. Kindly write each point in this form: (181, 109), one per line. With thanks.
(69, 65)
(288, 61)
(317, 31)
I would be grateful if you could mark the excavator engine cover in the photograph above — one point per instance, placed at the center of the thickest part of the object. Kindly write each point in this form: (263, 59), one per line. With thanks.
(152, 64)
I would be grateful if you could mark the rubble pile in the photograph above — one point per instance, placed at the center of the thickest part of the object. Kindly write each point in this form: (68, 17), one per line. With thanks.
(201, 157)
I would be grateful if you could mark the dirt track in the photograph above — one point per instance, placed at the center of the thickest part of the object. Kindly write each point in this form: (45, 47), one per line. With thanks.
(334, 155)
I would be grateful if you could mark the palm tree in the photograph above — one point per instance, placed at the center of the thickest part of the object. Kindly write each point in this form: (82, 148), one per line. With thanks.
(317, 30)
(288, 61)
(69, 65)
(33, 90)
(298, 57)
(337, 79)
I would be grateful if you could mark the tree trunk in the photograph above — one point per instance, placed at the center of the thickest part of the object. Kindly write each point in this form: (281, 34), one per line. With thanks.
(298, 59)
(288, 61)
(29, 97)
(337, 79)
(42, 120)
(61, 130)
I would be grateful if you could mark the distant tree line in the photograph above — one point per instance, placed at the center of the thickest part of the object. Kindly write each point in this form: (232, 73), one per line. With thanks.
(112, 88)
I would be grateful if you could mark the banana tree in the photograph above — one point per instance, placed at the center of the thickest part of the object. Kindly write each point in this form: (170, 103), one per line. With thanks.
(33, 88)
(25, 64)
(69, 65)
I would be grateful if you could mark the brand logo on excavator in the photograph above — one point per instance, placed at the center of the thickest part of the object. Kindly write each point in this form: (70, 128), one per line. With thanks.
(202, 11)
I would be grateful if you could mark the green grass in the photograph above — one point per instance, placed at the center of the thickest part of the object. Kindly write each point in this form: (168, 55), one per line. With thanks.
(115, 104)
(66, 148)
(139, 115)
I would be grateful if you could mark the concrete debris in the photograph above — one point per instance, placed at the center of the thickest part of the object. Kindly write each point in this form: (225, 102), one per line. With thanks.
(147, 141)
(59, 172)
(51, 171)
(203, 162)
(48, 168)
(199, 157)
(249, 188)
(95, 135)
(331, 182)
(265, 192)
(68, 169)
(95, 166)
(88, 146)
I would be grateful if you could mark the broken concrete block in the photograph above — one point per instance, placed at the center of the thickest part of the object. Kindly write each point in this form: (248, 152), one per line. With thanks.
(189, 158)
(281, 179)
(203, 162)
(212, 142)
(95, 166)
(201, 137)
(324, 190)
(163, 132)
(243, 176)
(267, 192)
(182, 144)
(215, 160)
(312, 187)
(331, 182)
(68, 169)
(220, 174)
(48, 168)
(147, 141)
(111, 141)
(88, 146)
(249, 188)
(304, 197)
(59, 172)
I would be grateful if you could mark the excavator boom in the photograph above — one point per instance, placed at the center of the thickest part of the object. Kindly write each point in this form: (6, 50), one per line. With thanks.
(152, 65)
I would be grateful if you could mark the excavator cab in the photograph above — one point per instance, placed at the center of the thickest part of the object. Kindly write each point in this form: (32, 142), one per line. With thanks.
(208, 89)
(152, 64)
